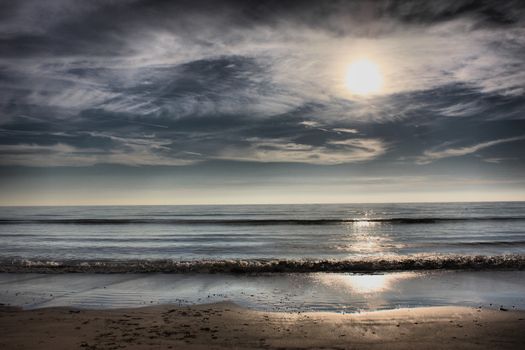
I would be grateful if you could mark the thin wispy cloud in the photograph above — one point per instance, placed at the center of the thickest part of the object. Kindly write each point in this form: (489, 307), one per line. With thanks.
(433, 155)
(333, 152)
(346, 130)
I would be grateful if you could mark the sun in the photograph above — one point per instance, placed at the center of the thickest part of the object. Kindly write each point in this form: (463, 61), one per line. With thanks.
(363, 78)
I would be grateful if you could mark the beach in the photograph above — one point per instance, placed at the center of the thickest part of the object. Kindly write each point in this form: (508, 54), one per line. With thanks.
(388, 276)
(400, 310)
(228, 326)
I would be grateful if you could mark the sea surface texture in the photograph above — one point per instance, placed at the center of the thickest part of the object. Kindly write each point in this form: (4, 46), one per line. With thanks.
(255, 238)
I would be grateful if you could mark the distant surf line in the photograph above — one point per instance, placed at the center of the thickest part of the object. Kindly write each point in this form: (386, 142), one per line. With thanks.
(256, 222)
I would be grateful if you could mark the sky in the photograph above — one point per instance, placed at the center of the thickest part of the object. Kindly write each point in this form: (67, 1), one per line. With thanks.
(225, 102)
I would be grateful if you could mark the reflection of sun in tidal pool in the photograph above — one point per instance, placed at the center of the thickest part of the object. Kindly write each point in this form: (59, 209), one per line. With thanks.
(364, 283)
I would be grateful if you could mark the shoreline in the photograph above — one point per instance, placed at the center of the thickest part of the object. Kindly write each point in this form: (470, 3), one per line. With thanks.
(227, 325)
(332, 292)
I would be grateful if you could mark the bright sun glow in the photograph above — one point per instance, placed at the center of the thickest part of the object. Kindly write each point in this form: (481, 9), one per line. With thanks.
(363, 78)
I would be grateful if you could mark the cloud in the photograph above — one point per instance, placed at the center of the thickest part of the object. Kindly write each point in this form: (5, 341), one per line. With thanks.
(346, 130)
(432, 155)
(333, 152)
(132, 152)
(202, 79)
(286, 56)
(497, 160)
(310, 123)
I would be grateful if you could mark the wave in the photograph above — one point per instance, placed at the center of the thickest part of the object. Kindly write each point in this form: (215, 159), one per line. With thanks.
(117, 221)
(367, 264)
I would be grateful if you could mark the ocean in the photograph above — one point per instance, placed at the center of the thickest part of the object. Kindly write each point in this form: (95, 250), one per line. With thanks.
(263, 238)
(326, 257)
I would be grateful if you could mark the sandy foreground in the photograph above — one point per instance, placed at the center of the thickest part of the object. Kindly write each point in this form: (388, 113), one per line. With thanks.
(228, 326)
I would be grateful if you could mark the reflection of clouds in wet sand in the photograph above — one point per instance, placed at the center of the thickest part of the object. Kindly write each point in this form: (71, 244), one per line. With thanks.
(364, 284)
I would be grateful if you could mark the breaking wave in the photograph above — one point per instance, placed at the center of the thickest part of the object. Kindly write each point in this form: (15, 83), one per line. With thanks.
(368, 264)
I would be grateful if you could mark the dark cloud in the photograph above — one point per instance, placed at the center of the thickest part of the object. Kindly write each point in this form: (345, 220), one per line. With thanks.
(106, 28)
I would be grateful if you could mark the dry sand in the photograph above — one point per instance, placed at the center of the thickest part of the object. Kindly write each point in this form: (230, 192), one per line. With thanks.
(227, 326)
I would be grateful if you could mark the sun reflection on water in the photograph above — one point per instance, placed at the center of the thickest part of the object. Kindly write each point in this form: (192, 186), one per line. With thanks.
(364, 223)
(363, 237)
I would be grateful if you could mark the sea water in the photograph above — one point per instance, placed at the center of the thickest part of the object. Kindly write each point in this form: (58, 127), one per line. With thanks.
(316, 237)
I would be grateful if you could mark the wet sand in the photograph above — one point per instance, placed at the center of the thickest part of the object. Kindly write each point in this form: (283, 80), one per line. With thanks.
(228, 326)
(322, 292)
